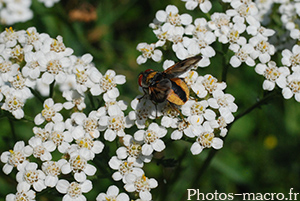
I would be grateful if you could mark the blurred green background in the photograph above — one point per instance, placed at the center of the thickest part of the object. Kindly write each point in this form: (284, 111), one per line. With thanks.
(261, 151)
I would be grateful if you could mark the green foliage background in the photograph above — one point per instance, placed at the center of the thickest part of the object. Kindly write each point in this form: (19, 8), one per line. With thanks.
(261, 151)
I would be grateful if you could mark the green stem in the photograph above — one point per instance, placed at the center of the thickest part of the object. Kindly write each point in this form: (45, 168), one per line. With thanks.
(224, 73)
(91, 100)
(37, 95)
(259, 103)
(51, 89)
(204, 166)
(12, 127)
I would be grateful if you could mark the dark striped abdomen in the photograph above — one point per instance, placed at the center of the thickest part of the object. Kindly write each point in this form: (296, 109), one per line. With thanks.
(179, 93)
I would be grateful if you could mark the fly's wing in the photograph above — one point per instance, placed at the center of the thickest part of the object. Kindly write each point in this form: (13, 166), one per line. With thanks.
(160, 90)
(181, 67)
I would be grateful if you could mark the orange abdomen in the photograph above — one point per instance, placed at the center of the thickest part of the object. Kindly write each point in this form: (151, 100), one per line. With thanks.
(179, 93)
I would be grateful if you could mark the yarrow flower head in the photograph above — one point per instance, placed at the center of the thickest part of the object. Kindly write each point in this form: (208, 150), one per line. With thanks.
(140, 184)
(34, 64)
(73, 190)
(206, 139)
(52, 170)
(106, 83)
(15, 158)
(112, 194)
(78, 164)
(148, 51)
(124, 167)
(50, 112)
(23, 193)
(204, 5)
(151, 138)
(31, 176)
(14, 102)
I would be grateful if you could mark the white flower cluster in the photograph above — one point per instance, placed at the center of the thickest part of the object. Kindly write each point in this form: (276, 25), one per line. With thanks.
(32, 64)
(204, 117)
(241, 28)
(14, 11)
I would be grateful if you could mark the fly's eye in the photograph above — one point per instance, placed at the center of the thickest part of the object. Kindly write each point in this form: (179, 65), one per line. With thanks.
(140, 79)
(142, 75)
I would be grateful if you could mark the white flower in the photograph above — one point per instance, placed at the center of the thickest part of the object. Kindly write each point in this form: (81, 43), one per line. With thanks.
(58, 137)
(115, 123)
(23, 193)
(15, 158)
(106, 83)
(124, 167)
(73, 191)
(177, 40)
(8, 69)
(31, 176)
(32, 38)
(9, 37)
(55, 63)
(91, 145)
(57, 46)
(132, 150)
(32, 68)
(255, 28)
(204, 5)
(49, 3)
(224, 103)
(112, 194)
(52, 169)
(85, 124)
(49, 113)
(111, 102)
(78, 164)
(200, 44)
(148, 51)
(272, 75)
(262, 49)
(243, 10)
(14, 103)
(21, 84)
(292, 86)
(242, 54)
(16, 11)
(140, 184)
(189, 128)
(151, 138)
(206, 139)
(295, 34)
(41, 149)
(291, 58)
(80, 72)
(85, 60)
(207, 84)
(222, 100)
(231, 34)
(218, 21)
(74, 99)
(222, 122)
(170, 115)
(198, 110)
(162, 33)
(143, 109)
(42, 88)
(170, 15)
